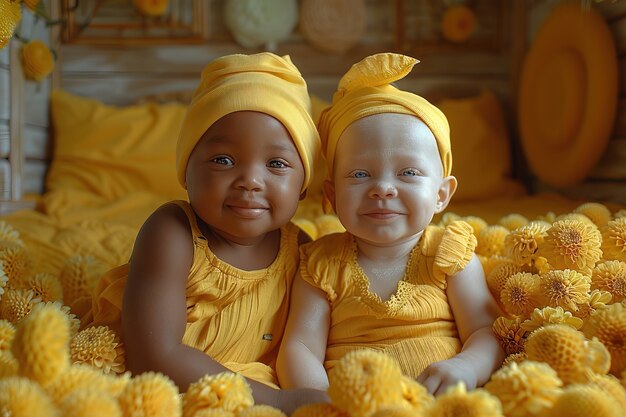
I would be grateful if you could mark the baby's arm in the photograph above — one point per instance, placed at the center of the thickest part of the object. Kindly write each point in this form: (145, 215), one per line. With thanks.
(154, 311)
(474, 310)
(301, 357)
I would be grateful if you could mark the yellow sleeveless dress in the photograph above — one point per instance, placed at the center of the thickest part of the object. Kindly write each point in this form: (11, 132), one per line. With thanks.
(416, 325)
(237, 317)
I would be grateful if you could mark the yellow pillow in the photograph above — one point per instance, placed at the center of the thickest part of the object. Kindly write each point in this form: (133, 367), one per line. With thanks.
(481, 152)
(112, 151)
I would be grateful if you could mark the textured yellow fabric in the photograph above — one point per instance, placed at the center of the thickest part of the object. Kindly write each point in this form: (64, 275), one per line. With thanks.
(231, 313)
(262, 82)
(366, 90)
(415, 326)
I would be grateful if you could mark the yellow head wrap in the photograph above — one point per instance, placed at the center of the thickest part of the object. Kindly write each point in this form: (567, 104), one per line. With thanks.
(366, 90)
(261, 82)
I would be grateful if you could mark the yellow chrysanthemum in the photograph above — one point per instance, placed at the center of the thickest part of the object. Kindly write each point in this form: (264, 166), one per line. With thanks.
(520, 294)
(598, 213)
(15, 263)
(572, 244)
(41, 344)
(458, 402)
(71, 317)
(510, 334)
(567, 352)
(152, 8)
(10, 16)
(609, 326)
(477, 224)
(89, 402)
(261, 411)
(77, 377)
(491, 262)
(363, 381)
(318, 410)
(21, 397)
(521, 244)
(525, 390)
(150, 394)
(610, 276)
(490, 240)
(515, 357)
(395, 411)
(574, 217)
(499, 275)
(8, 365)
(597, 299)
(513, 221)
(214, 412)
(416, 395)
(565, 288)
(582, 400)
(4, 279)
(7, 332)
(612, 386)
(614, 240)
(17, 304)
(37, 60)
(327, 224)
(99, 347)
(46, 287)
(225, 390)
(79, 277)
(9, 234)
(551, 315)
(448, 217)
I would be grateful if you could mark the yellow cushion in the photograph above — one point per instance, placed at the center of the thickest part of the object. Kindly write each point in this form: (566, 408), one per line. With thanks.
(112, 151)
(481, 152)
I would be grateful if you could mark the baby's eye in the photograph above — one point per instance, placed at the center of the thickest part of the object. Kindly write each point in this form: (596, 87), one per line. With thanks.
(277, 163)
(223, 160)
(359, 174)
(409, 172)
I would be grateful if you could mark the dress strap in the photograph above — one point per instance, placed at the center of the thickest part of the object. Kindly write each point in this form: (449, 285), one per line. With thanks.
(191, 216)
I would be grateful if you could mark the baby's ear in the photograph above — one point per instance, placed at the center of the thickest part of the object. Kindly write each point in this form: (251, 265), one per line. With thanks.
(445, 193)
(302, 195)
(329, 196)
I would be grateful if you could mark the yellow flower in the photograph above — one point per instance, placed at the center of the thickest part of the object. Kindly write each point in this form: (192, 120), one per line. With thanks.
(9, 234)
(614, 239)
(567, 352)
(513, 221)
(79, 277)
(581, 400)
(318, 410)
(476, 223)
(4, 280)
(363, 381)
(612, 386)
(261, 411)
(10, 16)
(610, 276)
(21, 397)
(99, 347)
(572, 244)
(525, 390)
(597, 299)
(15, 263)
(78, 377)
(416, 395)
(521, 244)
(520, 294)
(7, 332)
(498, 277)
(17, 304)
(45, 286)
(395, 411)
(609, 326)
(457, 402)
(566, 288)
(71, 317)
(514, 358)
(225, 390)
(41, 344)
(574, 217)
(491, 240)
(598, 213)
(89, 402)
(214, 412)
(152, 8)
(8, 365)
(551, 315)
(458, 23)
(491, 262)
(448, 218)
(37, 60)
(510, 334)
(150, 394)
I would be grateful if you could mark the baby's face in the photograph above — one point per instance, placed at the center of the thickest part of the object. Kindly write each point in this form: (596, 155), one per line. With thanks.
(388, 178)
(244, 176)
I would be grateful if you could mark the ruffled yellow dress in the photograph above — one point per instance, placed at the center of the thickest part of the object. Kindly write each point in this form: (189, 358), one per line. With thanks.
(415, 325)
(237, 317)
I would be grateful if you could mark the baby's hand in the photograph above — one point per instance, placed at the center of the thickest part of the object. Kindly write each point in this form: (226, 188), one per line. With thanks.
(439, 376)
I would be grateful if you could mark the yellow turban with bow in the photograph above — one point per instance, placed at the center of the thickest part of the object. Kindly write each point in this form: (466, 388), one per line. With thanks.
(366, 90)
(263, 82)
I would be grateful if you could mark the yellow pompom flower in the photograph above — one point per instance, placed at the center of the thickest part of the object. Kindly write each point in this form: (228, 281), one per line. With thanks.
(318, 410)
(364, 381)
(37, 60)
(261, 411)
(491, 262)
(71, 317)
(448, 217)
(572, 244)
(610, 276)
(17, 304)
(525, 390)
(416, 395)
(520, 295)
(582, 400)
(46, 287)
(150, 394)
(151, 8)
(565, 288)
(514, 358)
(79, 277)
(9, 234)
(612, 386)
(327, 224)
(597, 299)
(7, 332)
(458, 402)
(619, 214)
(214, 412)
(458, 23)
(88, 402)
(574, 217)
(614, 240)
(510, 334)
(490, 240)
(226, 390)
(551, 315)
(521, 244)
(395, 411)
(99, 347)
(598, 213)
(567, 352)
(608, 325)
(10, 16)
(8, 365)
(4, 279)
(513, 221)
(21, 397)
(498, 277)
(477, 223)
(77, 377)
(15, 263)
(41, 344)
